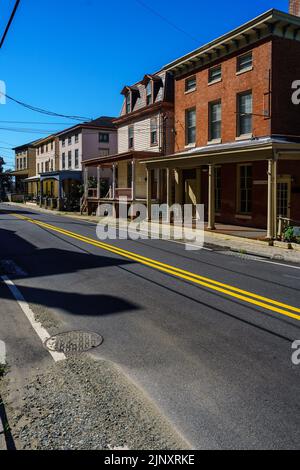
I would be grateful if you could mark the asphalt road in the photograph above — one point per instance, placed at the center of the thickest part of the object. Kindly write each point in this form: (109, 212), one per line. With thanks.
(217, 365)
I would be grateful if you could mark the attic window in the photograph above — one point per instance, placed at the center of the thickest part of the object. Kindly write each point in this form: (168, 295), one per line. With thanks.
(128, 102)
(149, 93)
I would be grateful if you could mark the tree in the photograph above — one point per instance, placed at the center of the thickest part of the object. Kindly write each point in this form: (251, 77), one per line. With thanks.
(5, 181)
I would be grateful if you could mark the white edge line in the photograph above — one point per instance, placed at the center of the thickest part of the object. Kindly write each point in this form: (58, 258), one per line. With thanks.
(37, 326)
(278, 264)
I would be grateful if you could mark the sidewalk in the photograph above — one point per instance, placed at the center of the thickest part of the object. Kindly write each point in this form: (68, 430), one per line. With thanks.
(222, 238)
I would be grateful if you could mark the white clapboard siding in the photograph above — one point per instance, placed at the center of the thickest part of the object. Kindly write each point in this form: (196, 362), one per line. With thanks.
(142, 141)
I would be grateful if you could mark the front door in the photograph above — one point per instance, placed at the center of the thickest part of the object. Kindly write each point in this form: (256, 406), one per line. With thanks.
(284, 197)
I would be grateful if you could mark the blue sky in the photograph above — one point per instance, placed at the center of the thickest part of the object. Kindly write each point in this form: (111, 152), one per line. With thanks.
(74, 56)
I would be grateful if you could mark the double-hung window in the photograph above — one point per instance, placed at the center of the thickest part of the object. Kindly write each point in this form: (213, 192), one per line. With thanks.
(76, 158)
(128, 103)
(244, 62)
(215, 74)
(190, 125)
(215, 120)
(154, 132)
(130, 137)
(149, 93)
(70, 159)
(63, 161)
(244, 113)
(245, 189)
(190, 84)
(103, 137)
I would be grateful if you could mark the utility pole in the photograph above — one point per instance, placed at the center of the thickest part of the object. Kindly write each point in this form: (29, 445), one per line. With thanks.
(9, 22)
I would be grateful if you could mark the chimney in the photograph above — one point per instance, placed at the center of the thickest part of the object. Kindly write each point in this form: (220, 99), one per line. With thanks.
(294, 7)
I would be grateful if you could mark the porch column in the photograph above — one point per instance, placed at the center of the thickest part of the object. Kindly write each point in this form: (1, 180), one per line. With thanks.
(178, 187)
(211, 198)
(169, 193)
(59, 188)
(114, 182)
(275, 199)
(133, 193)
(198, 189)
(98, 182)
(86, 182)
(149, 194)
(270, 228)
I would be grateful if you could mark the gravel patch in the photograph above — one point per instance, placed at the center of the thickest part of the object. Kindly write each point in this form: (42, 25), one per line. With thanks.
(85, 404)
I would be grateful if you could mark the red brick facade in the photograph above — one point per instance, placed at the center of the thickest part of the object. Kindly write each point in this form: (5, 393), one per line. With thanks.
(275, 67)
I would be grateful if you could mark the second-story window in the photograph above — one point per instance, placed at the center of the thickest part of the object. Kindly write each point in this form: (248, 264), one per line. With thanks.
(76, 158)
(104, 137)
(38, 168)
(128, 103)
(244, 113)
(149, 94)
(215, 74)
(190, 84)
(63, 161)
(244, 62)
(154, 131)
(215, 120)
(190, 125)
(130, 137)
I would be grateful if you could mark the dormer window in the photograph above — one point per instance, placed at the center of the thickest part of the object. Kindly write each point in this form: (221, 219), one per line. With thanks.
(128, 102)
(149, 93)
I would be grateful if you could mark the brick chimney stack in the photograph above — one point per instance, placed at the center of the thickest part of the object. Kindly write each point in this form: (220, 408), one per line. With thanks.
(294, 7)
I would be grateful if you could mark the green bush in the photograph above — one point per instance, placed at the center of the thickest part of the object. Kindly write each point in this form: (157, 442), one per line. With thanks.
(289, 235)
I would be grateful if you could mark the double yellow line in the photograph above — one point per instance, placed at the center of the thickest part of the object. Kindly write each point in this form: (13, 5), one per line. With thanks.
(231, 291)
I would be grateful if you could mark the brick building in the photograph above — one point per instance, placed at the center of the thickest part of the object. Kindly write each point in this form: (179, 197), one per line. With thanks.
(237, 129)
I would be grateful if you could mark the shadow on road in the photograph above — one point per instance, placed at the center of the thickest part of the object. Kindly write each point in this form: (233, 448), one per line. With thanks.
(38, 263)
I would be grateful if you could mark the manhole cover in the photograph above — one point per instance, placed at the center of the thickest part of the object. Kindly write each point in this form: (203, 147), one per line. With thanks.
(74, 342)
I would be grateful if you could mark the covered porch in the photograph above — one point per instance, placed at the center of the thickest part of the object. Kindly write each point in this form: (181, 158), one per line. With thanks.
(58, 189)
(128, 186)
(250, 184)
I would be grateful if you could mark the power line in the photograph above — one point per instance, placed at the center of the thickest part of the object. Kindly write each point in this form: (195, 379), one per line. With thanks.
(44, 111)
(9, 22)
(37, 122)
(170, 23)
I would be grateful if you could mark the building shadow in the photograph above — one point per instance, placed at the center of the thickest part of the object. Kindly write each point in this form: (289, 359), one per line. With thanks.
(37, 263)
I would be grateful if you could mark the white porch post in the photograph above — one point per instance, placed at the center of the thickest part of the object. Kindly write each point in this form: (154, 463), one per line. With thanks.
(133, 180)
(270, 227)
(98, 182)
(178, 187)
(149, 194)
(199, 188)
(169, 192)
(114, 182)
(86, 182)
(275, 199)
(211, 198)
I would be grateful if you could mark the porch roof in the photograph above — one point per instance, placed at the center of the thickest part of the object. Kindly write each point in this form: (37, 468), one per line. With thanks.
(232, 152)
(32, 179)
(62, 175)
(132, 155)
